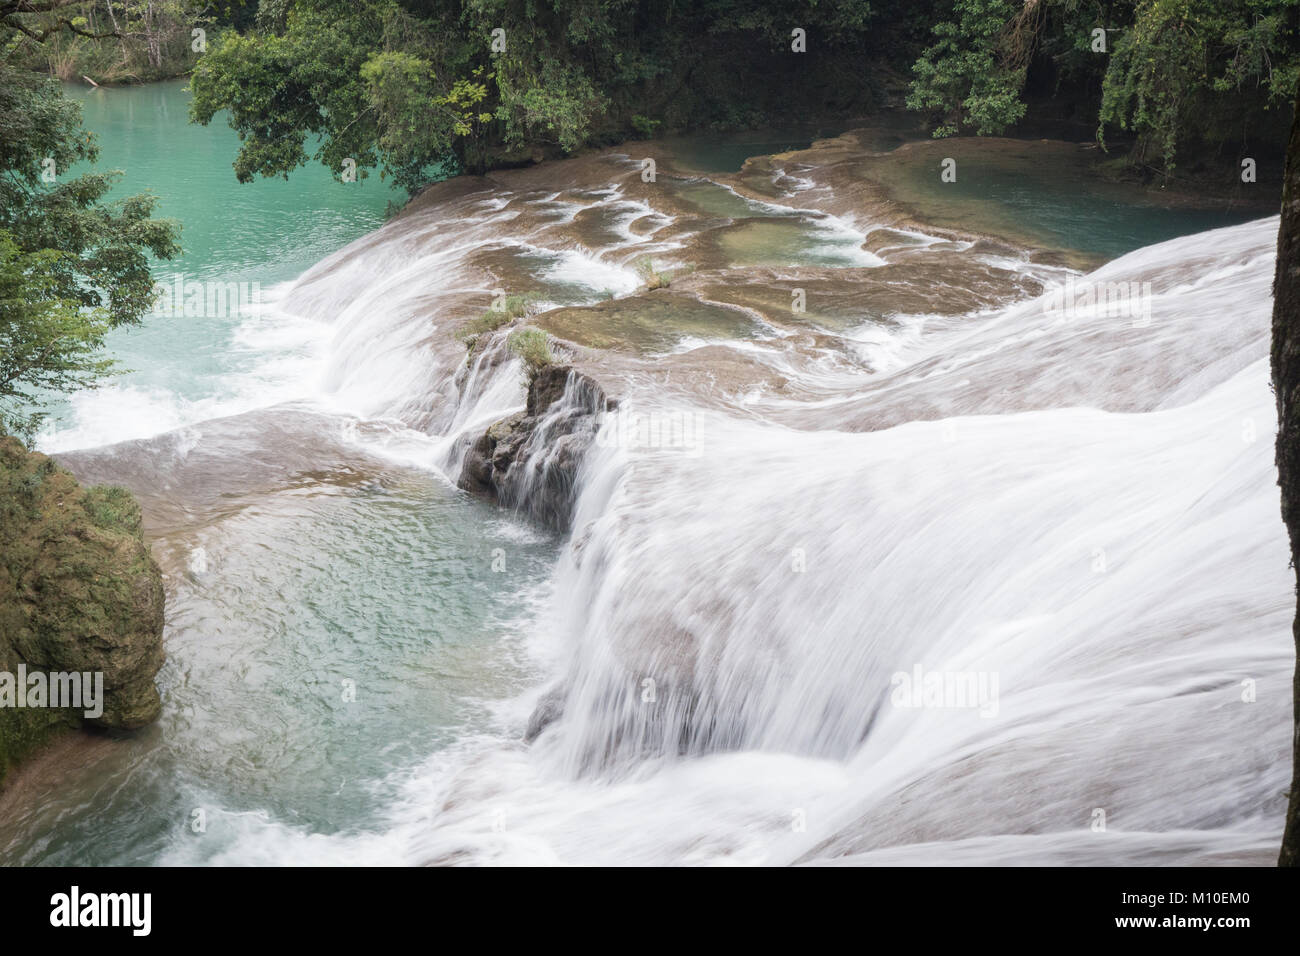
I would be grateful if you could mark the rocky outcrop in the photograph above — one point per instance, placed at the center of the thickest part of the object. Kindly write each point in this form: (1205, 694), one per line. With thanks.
(1286, 385)
(79, 593)
(530, 461)
(549, 709)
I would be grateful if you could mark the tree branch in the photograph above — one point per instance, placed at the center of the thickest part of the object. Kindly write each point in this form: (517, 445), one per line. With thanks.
(10, 11)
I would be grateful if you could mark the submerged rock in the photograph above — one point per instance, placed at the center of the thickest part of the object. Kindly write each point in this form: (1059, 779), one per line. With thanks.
(529, 461)
(79, 593)
(548, 710)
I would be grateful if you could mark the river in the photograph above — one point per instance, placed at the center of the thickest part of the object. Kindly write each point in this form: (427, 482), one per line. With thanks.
(929, 468)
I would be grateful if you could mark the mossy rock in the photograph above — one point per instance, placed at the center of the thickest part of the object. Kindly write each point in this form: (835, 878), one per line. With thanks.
(79, 591)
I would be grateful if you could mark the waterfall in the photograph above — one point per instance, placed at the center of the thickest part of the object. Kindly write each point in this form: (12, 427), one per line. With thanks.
(830, 526)
(1022, 574)
(1088, 544)
(984, 567)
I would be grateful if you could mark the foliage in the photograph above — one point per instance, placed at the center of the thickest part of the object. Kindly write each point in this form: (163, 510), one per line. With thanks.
(533, 346)
(405, 101)
(419, 89)
(114, 41)
(1171, 70)
(493, 319)
(644, 125)
(652, 278)
(399, 85)
(72, 266)
(1181, 53)
(46, 341)
(303, 81)
(967, 74)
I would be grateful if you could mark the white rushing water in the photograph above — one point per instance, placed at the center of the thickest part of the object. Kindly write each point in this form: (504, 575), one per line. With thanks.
(938, 571)
(1073, 514)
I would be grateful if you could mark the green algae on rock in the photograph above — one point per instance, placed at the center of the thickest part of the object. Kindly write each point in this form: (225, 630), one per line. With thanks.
(79, 592)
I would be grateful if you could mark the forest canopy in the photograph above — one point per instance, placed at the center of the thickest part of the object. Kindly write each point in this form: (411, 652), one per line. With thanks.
(1169, 71)
(416, 88)
(402, 84)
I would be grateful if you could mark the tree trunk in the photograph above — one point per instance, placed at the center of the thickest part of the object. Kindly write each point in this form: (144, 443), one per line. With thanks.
(1286, 384)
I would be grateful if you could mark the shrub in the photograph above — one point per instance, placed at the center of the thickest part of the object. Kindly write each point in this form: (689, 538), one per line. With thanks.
(653, 278)
(533, 346)
(493, 319)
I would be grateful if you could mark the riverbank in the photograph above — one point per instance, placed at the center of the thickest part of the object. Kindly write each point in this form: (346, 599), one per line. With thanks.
(121, 44)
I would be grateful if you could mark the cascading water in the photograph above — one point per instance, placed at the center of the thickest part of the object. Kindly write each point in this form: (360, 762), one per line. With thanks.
(737, 612)
(1073, 506)
(788, 522)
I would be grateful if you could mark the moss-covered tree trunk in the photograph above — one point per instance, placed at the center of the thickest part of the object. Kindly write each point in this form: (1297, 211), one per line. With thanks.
(1286, 382)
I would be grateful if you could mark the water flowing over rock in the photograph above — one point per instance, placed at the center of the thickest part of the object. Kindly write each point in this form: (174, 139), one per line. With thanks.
(530, 461)
(79, 592)
(850, 452)
(728, 601)
(960, 457)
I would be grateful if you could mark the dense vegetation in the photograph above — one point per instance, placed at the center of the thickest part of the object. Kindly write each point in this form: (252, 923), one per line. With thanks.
(72, 264)
(1178, 73)
(402, 84)
(119, 41)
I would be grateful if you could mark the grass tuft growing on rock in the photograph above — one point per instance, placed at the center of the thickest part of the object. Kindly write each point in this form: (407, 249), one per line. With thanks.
(512, 308)
(653, 278)
(112, 507)
(533, 346)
